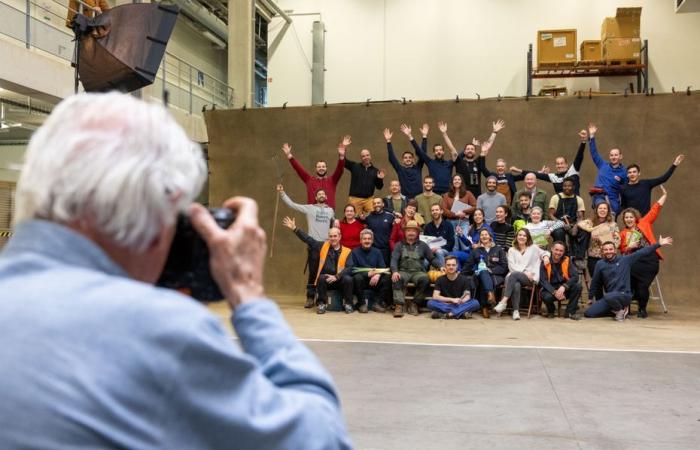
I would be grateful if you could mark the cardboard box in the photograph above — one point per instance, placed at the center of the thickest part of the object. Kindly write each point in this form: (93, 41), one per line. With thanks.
(625, 24)
(622, 48)
(591, 51)
(556, 46)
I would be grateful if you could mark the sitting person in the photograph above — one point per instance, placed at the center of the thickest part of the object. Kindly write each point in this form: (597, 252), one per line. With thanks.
(611, 280)
(478, 224)
(407, 267)
(450, 298)
(595, 230)
(350, 228)
(395, 202)
(460, 216)
(524, 264)
(439, 227)
(559, 281)
(488, 263)
(637, 234)
(503, 232)
(569, 208)
(521, 212)
(541, 230)
(370, 274)
(334, 266)
(399, 222)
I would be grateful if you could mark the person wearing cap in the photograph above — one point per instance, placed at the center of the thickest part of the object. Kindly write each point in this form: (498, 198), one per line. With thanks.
(407, 267)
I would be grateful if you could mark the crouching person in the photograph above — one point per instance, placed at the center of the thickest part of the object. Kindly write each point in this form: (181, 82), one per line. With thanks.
(407, 267)
(451, 298)
(370, 274)
(334, 266)
(559, 281)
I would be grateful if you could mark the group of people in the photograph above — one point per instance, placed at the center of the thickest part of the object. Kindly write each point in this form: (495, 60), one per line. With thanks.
(442, 228)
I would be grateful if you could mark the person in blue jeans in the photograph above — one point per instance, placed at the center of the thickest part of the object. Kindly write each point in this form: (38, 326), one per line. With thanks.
(440, 227)
(612, 174)
(612, 273)
(488, 264)
(451, 298)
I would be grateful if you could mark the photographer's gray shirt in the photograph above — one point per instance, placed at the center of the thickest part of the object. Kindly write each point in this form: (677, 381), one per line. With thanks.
(319, 218)
(91, 358)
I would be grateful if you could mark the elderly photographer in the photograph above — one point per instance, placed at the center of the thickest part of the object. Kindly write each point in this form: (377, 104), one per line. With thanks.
(93, 354)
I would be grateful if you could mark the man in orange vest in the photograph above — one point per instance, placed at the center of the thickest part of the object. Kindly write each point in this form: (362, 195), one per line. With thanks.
(559, 281)
(334, 267)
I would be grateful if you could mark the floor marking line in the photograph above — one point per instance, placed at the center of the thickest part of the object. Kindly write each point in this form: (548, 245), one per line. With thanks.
(531, 347)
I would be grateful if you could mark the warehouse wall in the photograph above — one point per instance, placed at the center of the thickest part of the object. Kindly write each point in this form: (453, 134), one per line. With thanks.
(424, 50)
(245, 149)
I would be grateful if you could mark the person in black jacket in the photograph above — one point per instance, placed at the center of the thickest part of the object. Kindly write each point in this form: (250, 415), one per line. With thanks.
(364, 179)
(488, 265)
(559, 281)
(376, 280)
(612, 274)
(381, 222)
(637, 193)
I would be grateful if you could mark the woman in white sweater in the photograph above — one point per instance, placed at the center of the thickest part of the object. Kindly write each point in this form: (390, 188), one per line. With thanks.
(524, 264)
(541, 230)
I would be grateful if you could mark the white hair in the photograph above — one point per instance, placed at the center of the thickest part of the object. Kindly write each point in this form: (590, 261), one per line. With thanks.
(121, 165)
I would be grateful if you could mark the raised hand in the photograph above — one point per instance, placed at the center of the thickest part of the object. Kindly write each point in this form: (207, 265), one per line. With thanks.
(290, 223)
(381, 174)
(341, 151)
(583, 134)
(442, 126)
(424, 129)
(679, 159)
(388, 134)
(405, 129)
(498, 125)
(592, 129)
(485, 147)
(544, 169)
(663, 189)
(663, 241)
(280, 188)
(287, 149)
(475, 142)
(347, 140)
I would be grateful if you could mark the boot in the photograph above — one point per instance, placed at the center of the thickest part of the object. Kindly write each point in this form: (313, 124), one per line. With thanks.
(491, 299)
(309, 302)
(412, 308)
(398, 310)
(485, 312)
(378, 307)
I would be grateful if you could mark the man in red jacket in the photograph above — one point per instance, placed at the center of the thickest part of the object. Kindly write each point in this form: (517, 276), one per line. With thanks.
(321, 179)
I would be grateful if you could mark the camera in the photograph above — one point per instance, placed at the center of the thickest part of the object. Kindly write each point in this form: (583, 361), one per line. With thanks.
(187, 267)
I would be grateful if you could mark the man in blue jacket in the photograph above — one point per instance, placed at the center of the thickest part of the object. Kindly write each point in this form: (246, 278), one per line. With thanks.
(611, 174)
(93, 354)
(612, 274)
(409, 172)
(439, 168)
(381, 222)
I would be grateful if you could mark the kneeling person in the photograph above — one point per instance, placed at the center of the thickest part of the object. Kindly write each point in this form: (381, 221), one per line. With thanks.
(451, 298)
(559, 281)
(370, 274)
(407, 267)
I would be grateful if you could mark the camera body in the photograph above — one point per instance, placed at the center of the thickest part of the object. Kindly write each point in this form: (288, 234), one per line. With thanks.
(187, 267)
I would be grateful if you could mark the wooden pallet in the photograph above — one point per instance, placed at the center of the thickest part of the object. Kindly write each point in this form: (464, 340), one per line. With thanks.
(622, 62)
(556, 64)
(591, 62)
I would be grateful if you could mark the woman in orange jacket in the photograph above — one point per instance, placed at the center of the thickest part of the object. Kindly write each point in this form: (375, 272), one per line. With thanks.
(638, 233)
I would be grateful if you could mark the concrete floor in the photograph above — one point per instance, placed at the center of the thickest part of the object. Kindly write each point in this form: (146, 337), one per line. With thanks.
(417, 383)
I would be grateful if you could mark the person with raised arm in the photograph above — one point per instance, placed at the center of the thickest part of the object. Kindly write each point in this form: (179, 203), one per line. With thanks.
(409, 172)
(611, 176)
(364, 179)
(637, 193)
(320, 180)
(439, 167)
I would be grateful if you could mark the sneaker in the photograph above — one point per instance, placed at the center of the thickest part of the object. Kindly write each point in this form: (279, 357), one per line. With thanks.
(485, 312)
(575, 316)
(467, 315)
(412, 309)
(642, 314)
(378, 307)
(437, 315)
(363, 307)
(321, 308)
(309, 302)
(516, 315)
(501, 306)
(620, 315)
(348, 308)
(398, 310)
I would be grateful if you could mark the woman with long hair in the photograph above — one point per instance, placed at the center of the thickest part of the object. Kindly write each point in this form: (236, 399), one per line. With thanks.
(460, 217)
(637, 234)
(601, 228)
(503, 232)
(488, 263)
(524, 259)
(478, 224)
(541, 230)
(350, 228)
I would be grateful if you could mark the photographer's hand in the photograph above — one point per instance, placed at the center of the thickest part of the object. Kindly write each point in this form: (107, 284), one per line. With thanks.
(237, 253)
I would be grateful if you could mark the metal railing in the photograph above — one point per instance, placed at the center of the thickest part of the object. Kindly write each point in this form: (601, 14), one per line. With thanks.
(42, 26)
